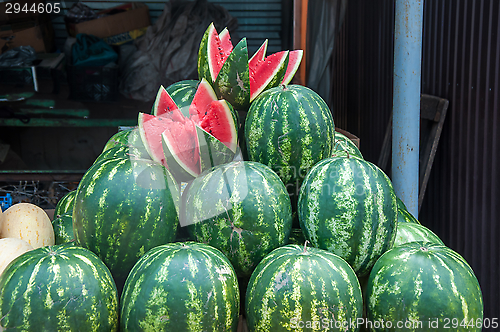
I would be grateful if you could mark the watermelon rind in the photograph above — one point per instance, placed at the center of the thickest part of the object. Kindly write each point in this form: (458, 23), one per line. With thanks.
(297, 288)
(233, 81)
(212, 151)
(411, 232)
(58, 288)
(203, 68)
(184, 286)
(425, 286)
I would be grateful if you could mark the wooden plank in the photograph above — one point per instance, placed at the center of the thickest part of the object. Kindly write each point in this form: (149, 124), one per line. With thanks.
(300, 37)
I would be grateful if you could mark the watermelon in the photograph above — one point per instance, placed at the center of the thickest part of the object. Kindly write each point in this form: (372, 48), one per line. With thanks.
(348, 206)
(184, 286)
(268, 73)
(411, 232)
(241, 208)
(120, 138)
(190, 145)
(182, 93)
(123, 208)
(343, 143)
(421, 286)
(65, 204)
(296, 288)
(294, 60)
(289, 128)
(58, 288)
(404, 215)
(63, 228)
(235, 77)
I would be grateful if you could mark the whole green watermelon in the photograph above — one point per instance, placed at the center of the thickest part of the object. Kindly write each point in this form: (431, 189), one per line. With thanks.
(348, 206)
(186, 286)
(289, 128)
(343, 143)
(241, 208)
(63, 228)
(123, 208)
(411, 232)
(296, 288)
(65, 204)
(421, 286)
(58, 288)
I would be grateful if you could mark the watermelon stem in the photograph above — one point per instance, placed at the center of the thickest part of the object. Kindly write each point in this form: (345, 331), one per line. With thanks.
(305, 246)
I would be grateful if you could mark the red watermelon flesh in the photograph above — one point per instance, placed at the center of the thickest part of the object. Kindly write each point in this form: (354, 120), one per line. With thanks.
(217, 51)
(258, 56)
(225, 40)
(184, 142)
(178, 129)
(163, 102)
(217, 120)
(262, 74)
(203, 97)
(294, 59)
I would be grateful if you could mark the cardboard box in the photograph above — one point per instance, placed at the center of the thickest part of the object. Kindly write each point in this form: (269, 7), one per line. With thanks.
(37, 33)
(118, 28)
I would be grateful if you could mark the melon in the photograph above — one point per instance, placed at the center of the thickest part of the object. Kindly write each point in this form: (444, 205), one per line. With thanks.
(28, 222)
(11, 248)
(235, 77)
(189, 145)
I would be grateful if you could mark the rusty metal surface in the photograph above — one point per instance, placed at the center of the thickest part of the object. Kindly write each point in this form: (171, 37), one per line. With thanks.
(461, 63)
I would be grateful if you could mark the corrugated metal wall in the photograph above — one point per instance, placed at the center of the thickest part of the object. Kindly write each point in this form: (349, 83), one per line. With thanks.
(461, 62)
(258, 19)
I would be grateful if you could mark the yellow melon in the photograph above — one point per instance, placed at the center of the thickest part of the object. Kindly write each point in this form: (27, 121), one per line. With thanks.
(11, 248)
(27, 222)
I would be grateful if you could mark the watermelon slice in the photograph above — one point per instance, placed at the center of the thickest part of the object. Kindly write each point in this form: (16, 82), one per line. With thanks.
(258, 56)
(174, 139)
(268, 73)
(163, 102)
(218, 120)
(239, 81)
(294, 59)
(225, 41)
(203, 97)
(181, 149)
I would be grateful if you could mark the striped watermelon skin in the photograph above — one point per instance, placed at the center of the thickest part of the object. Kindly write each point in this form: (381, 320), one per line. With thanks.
(123, 208)
(289, 128)
(184, 286)
(293, 286)
(183, 92)
(63, 228)
(58, 288)
(343, 143)
(348, 206)
(432, 281)
(411, 232)
(241, 208)
(120, 138)
(65, 204)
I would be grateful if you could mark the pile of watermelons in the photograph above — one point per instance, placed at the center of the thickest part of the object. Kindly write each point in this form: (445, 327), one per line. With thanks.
(235, 197)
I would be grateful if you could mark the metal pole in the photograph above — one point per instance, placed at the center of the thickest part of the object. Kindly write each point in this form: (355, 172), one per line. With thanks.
(406, 101)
